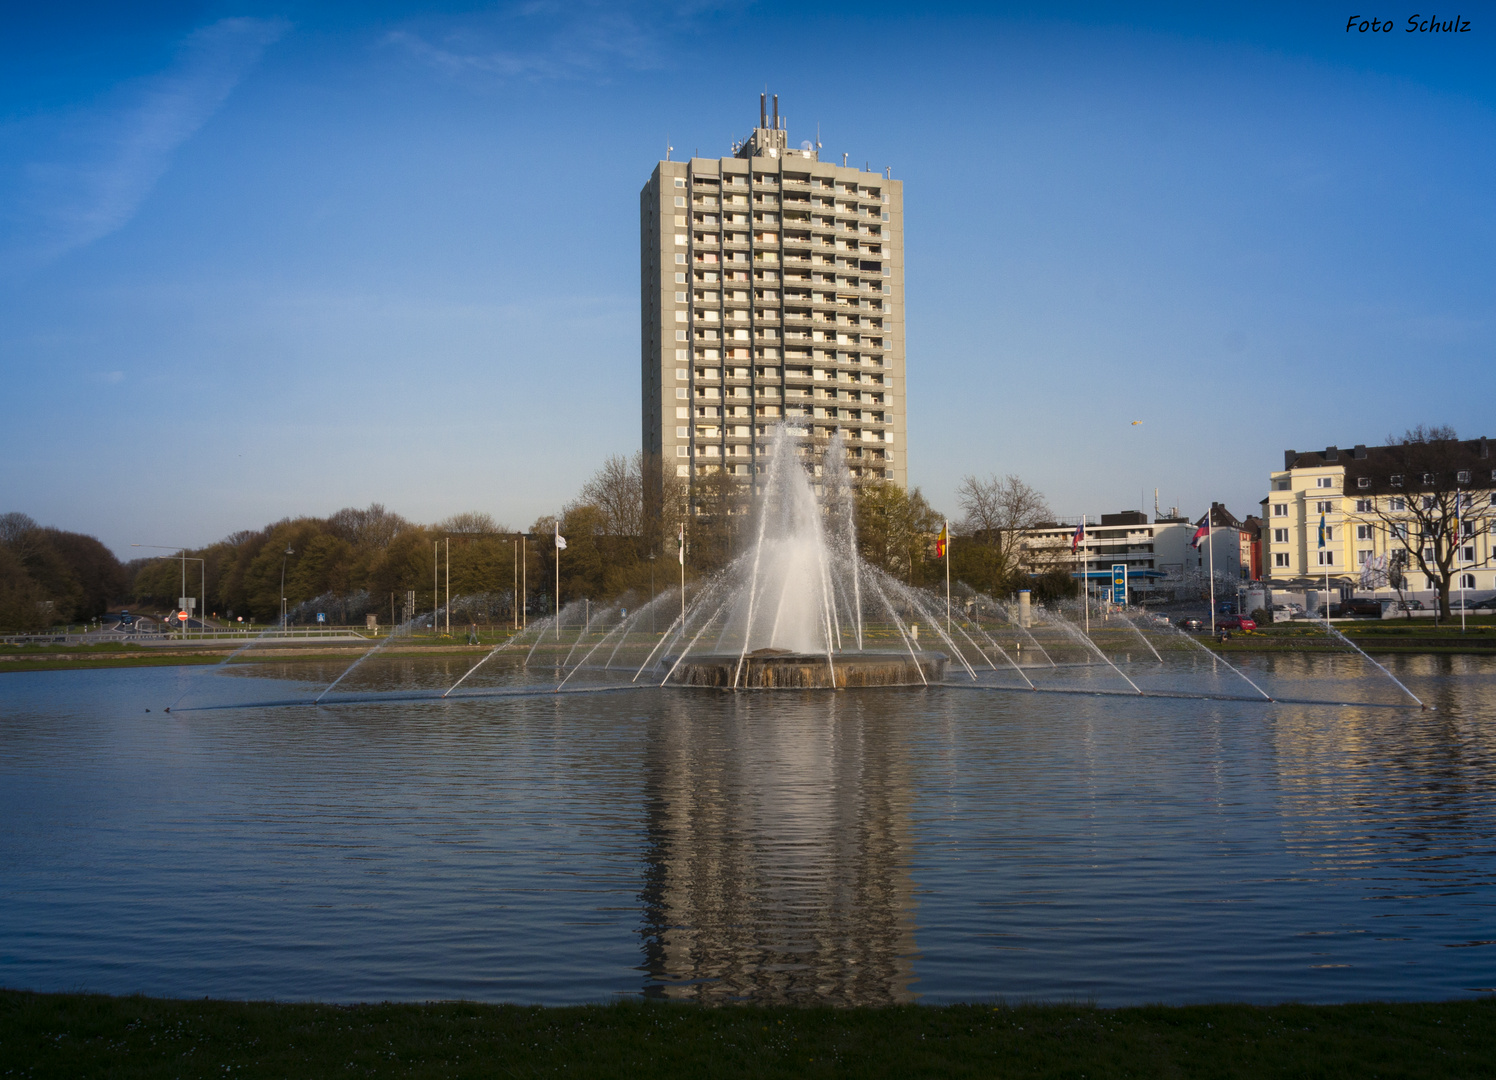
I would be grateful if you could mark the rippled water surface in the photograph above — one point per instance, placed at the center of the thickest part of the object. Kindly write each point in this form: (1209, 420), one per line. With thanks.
(872, 846)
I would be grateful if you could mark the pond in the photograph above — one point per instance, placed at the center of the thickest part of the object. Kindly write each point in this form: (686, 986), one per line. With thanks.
(950, 843)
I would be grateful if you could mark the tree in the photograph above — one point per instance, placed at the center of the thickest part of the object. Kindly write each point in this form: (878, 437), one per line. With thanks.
(895, 531)
(996, 514)
(1419, 491)
(617, 491)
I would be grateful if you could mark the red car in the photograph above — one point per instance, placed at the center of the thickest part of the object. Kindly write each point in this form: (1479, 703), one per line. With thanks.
(1235, 622)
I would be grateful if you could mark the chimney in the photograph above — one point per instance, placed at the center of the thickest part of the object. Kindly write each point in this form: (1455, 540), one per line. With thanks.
(1485, 448)
(776, 112)
(1359, 453)
(1332, 453)
(1289, 457)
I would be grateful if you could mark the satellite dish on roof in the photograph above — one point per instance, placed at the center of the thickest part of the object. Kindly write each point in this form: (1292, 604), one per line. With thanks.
(805, 145)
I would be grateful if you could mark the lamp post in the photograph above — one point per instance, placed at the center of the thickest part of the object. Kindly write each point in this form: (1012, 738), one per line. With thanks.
(284, 557)
(181, 553)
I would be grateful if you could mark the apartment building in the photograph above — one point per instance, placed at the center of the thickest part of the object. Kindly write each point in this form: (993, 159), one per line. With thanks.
(1369, 499)
(772, 291)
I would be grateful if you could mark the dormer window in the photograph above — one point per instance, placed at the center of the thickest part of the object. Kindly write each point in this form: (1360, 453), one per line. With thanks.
(1395, 480)
(1363, 482)
(1462, 477)
(1428, 478)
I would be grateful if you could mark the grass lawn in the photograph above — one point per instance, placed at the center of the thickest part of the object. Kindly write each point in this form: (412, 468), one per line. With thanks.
(75, 1035)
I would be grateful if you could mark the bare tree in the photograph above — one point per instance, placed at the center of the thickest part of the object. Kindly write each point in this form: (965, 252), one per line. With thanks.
(1419, 490)
(617, 490)
(375, 526)
(998, 511)
(470, 523)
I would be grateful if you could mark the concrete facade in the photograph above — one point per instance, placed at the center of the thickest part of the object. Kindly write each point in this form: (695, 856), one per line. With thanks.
(772, 288)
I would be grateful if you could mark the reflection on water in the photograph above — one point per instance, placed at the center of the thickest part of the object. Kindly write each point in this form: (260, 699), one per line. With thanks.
(777, 866)
(859, 847)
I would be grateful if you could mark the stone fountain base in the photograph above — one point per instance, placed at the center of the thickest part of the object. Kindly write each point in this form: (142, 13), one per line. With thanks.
(780, 669)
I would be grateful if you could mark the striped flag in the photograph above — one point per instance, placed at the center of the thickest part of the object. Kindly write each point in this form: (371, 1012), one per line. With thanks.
(942, 542)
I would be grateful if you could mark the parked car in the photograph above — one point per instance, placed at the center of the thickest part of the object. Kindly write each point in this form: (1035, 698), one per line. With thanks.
(1160, 618)
(1226, 607)
(1363, 607)
(1191, 623)
(1410, 605)
(1235, 622)
(1288, 611)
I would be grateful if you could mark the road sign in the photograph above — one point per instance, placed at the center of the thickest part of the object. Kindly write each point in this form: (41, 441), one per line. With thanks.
(321, 617)
(182, 615)
(1119, 583)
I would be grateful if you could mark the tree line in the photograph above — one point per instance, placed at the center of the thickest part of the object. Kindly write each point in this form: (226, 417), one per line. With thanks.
(48, 576)
(621, 531)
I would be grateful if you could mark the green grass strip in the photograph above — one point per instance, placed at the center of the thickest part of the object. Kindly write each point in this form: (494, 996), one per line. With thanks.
(77, 1035)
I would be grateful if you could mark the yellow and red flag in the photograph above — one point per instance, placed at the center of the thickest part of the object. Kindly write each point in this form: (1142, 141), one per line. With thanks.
(942, 542)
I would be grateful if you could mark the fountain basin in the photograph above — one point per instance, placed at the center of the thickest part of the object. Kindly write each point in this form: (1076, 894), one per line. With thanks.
(776, 669)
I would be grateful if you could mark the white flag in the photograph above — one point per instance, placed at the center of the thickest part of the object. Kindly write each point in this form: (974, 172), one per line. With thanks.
(681, 553)
(560, 541)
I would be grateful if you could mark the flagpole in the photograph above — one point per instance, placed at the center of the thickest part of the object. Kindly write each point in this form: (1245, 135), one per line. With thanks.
(1211, 558)
(558, 581)
(1085, 578)
(1458, 541)
(947, 579)
(514, 607)
(524, 583)
(682, 556)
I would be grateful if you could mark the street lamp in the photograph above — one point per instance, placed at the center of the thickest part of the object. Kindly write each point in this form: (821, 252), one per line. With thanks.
(203, 584)
(284, 557)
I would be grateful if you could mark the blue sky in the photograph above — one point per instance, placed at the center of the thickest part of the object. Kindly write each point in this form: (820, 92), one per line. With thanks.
(261, 260)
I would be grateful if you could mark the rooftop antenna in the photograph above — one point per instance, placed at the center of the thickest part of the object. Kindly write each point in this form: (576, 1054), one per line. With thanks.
(818, 135)
(1155, 504)
(776, 112)
(668, 148)
(763, 106)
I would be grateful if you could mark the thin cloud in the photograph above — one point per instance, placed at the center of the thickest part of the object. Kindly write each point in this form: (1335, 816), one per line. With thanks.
(545, 40)
(74, 203)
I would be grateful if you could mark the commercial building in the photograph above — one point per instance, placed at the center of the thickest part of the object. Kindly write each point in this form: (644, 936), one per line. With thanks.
(1372, 509)
(1151, 551)
(772, 290)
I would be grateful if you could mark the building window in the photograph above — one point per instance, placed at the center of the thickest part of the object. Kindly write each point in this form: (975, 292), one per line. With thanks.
(680, 392)
(1428, 554)
(1325, 481)
(679, 182)
(1363, 506)
(680, 200)
(1467, 581)
(1396, 480)
(1462, 477)
(680, 335)
(1324, 507)
(1467, 554)
(682, 451)
(1280, 558)
(682, 433)
(1428, 502)
(1400, 530)
(680, 258)
(1397, 504)
(1363, 557)
(682, 373)
(1363, 532)
(1363, 482)
(1280, 536)
(1327, 558)
(1280, 509)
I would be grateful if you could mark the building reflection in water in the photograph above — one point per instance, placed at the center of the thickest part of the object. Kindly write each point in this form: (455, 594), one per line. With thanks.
(778, 851)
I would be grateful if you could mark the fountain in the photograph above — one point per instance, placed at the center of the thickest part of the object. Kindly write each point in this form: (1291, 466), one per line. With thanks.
(798, 609)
